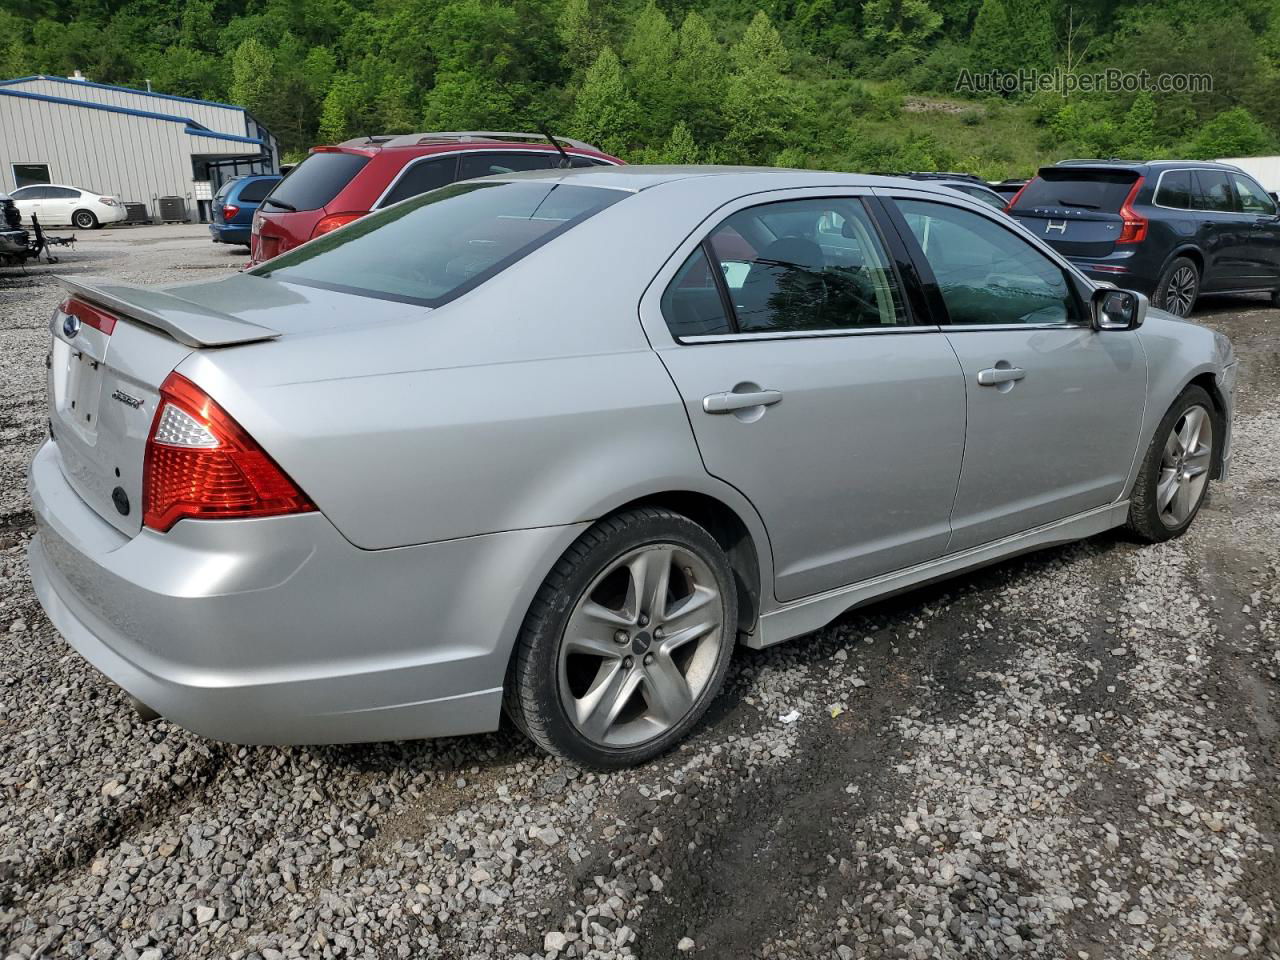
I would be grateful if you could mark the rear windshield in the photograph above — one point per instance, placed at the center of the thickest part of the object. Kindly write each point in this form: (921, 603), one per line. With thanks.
(255, 190)
(318, 179)
(437, 246)
(1074, 187)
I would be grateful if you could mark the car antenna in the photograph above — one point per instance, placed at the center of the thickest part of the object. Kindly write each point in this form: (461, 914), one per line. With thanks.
(565, 162)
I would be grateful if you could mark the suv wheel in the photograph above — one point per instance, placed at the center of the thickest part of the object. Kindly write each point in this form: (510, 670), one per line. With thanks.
(1178, 287)
(1174, 476)
(627, 641)
(85, 220)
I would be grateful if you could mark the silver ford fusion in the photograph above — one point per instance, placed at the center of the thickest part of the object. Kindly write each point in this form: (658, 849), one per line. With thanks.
(554, 443)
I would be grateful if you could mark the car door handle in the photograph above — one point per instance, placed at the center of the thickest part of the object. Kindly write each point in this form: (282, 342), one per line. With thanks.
(997, 375)
(729, 401)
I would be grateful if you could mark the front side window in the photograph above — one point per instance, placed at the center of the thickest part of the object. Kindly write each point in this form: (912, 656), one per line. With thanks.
(30, 193)
(1214, 193)
(1253, 199)
(790, 267)
(987, 274)
(435, 247)
(1175, 190)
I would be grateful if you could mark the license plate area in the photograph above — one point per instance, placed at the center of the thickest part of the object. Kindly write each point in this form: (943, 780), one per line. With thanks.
(77, 371)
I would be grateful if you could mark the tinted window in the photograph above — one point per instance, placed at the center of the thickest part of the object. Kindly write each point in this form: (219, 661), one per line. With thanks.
(1175, 190)
(255, 190)
(989, 197)
(61, 193)
(1078, 187)
(692, 305)
(587, 162)
(29, 193)
(223, 190)
(807, 265)
(438, 246)
(318, 179)
(986, 273)
(420, 177)
(1214, 192)
(486, 164)
(1252, 198)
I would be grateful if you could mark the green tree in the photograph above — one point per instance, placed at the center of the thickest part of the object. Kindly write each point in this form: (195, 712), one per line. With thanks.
(463, 100)
(699, 79)
(993, 44)
(890, 24)
(759, 107)
(679, 147)
(603, 111)
(649, 54)
(1138, 131)
(1232, 133)
(581, 32)
(340, 114)
(252, 82)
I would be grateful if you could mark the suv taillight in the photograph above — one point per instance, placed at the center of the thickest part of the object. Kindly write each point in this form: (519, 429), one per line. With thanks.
(1134, 229)
(333, 222)
(229, 212)
(200, 463)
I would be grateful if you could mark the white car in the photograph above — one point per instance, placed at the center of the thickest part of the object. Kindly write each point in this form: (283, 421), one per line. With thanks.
(60, 205)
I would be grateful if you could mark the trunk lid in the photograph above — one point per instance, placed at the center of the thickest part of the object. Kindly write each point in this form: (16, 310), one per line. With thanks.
(112, 348)
(1076, 209)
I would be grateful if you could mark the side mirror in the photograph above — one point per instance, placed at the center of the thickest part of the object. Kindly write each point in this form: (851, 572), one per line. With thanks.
(1118, 309)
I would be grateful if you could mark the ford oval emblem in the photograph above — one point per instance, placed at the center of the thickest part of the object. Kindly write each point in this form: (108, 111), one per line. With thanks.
(70, 324)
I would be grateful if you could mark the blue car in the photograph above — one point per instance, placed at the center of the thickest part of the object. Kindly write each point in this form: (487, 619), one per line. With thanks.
(234, 205)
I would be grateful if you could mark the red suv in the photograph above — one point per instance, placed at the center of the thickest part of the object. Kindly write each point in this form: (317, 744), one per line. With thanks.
(335, 185)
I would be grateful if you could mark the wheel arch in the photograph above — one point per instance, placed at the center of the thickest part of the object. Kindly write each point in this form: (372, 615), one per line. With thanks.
(1208, 381)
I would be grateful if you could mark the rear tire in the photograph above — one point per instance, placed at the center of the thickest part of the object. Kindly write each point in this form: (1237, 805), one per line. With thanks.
(85, 220)
(1178, 287)
(1174, 477)
(627, 641)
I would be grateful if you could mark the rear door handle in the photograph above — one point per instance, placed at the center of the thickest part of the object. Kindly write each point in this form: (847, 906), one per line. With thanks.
(729, 401)
(997, 375)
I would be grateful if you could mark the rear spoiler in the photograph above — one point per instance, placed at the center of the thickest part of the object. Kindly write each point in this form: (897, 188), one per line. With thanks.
(184, 321)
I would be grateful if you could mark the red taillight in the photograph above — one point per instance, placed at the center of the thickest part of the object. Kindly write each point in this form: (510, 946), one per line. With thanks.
(200, 463)
(333, 222)
(1134, 229)
(1009, 206)
(89, 315)
(229, 212)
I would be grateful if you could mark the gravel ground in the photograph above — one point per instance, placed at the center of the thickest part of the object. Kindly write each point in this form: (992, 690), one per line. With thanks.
(1068, 755)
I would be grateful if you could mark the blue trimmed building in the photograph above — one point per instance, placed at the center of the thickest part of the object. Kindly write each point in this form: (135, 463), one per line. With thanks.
(133, 144)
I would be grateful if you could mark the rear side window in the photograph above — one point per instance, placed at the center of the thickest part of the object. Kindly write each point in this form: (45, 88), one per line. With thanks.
(487, 164)
(318, 179)
(420, 176)
(255, 190)
(433, 248)
(1213, 192)
(692, 304)
(1253, 199)
(61, 193)
(1082, 189)
(223, 191)
(1175, 190)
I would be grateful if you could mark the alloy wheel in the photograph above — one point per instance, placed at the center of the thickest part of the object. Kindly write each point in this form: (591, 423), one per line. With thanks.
(84, 220)
(1180, 293)
(641, 645)
(1184, 466)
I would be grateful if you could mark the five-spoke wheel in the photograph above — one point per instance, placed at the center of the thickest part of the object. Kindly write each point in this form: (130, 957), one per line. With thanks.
(627, 642)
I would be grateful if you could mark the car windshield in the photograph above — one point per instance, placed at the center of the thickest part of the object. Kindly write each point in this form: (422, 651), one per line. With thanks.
(1076, 187)
(437, 246)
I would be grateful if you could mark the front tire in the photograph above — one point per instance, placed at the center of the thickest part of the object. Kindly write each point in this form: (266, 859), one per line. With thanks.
(1178, 287)
(627, 641)
(85, 220)
(1174, 476)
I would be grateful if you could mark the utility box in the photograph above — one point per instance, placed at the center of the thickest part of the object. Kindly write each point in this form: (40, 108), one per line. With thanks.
(173, 210)
(137, 213)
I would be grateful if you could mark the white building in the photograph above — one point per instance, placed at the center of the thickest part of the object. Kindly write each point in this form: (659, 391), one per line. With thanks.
(133, 144)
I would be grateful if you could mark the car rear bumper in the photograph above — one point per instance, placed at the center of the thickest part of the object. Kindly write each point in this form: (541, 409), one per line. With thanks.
(230, 233)
(278, 630)
(1124, 268)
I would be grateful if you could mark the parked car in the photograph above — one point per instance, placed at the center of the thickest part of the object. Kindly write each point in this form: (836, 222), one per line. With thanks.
(1172, 229)
(234, 206)
(557, 441)
(336, 185)
(59, 205)
(14, 241)
(966, 183)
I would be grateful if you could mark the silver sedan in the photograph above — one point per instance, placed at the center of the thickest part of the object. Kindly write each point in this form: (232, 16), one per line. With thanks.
(554, 443)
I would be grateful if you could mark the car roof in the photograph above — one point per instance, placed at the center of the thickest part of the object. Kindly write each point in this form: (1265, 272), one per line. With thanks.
(724, 181)
(1139, 165)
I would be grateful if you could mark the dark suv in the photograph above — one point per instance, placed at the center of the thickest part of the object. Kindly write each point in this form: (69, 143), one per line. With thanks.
(1171, 229)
